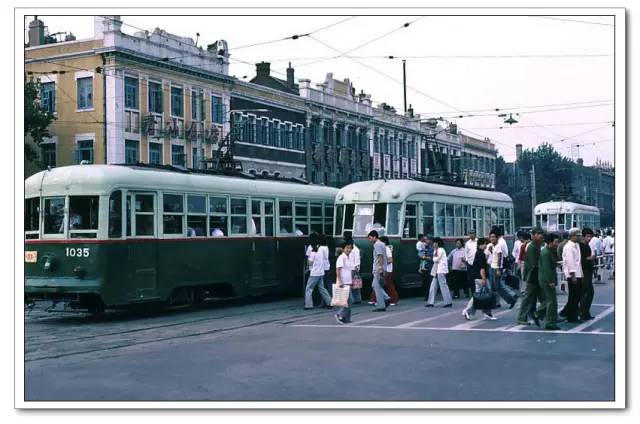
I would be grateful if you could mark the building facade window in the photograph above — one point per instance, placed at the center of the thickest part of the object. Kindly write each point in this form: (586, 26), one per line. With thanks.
(48, 151)
(177, 103)
(177, 155)
(194, 105)
(131, 151)
(217, 110)
(48, 96)
(155, 153)
(155, 97)
(85, 93)
(131, 93)
(84, 151)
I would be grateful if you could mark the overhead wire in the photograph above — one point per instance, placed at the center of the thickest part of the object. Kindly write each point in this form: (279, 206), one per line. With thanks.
(570, 20)
(373, 40)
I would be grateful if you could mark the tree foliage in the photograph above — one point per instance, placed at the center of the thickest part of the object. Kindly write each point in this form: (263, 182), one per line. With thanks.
(554, 173)
(36, 119)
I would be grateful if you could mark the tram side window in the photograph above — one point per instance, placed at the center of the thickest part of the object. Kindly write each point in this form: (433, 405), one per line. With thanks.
(337, 224)
(467, 223)
(32, 214)
(328, 218)
(427, 218)
(172, 208)
(410, 215)
(196, 216)
(448, 228)
(315, 212)
(439, 208)
(561, 222)
(115, 214)
(507, 221)
(268, 218)
(218, 218)
(349, 210)
(302, 218)
(83, 216)
(285, 212)
(393, 219)
(457, 220)
(54, 215)
(238, 209)
(144, 210)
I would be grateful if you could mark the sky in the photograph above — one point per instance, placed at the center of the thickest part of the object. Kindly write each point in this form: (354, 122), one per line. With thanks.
(556, 72)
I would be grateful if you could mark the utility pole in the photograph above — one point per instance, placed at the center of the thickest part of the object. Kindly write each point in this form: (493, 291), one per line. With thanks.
(404, 83)
(533, 195)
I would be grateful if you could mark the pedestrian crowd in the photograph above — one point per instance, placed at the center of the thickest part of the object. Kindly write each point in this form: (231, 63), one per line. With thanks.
(483, 270)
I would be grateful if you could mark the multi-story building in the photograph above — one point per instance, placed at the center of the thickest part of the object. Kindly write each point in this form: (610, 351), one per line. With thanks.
(397, 143)
(118, 98)
(339, 132)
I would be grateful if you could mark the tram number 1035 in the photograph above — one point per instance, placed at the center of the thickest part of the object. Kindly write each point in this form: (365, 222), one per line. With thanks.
(77, 252)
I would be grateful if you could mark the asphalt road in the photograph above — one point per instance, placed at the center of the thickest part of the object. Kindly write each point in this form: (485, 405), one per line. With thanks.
(276, 351)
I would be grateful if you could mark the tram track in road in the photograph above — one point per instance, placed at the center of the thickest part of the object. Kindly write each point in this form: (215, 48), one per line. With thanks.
(124, 320)
(174, 336)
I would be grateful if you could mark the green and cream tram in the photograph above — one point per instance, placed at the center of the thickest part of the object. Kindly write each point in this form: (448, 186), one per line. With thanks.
(401, 209)
(100, 236)
(562, 216)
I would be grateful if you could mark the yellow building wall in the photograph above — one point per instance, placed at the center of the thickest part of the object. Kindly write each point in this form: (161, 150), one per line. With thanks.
(70, 121)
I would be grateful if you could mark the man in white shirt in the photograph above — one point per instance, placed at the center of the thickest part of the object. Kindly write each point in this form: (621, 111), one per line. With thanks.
(496, 277)
(572, 270)
(470, 248)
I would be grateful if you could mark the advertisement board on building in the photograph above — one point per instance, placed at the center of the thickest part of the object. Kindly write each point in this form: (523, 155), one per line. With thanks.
(376, 160)
(405, 164)
(414, 166)
(386, 161)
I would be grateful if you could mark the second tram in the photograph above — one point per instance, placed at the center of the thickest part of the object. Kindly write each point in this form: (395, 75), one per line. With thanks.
(400, 209)
(562, 216)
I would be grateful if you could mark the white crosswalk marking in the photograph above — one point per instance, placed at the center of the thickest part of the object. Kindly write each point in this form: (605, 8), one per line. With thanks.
(589, 323)
(386, 315)
(409, 324)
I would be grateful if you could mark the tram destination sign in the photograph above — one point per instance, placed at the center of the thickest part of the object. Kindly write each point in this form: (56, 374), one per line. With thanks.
(31, 256)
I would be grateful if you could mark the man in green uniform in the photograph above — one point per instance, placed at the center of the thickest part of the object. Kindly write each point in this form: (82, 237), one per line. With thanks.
(532, 290)
(547, 278)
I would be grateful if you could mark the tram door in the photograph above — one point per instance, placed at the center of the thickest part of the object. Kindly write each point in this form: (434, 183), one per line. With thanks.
(142, 261)
(264, 255)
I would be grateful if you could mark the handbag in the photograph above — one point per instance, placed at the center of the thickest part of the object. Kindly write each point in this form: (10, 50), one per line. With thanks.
(484, 298)
(340, 296)
(356, 280)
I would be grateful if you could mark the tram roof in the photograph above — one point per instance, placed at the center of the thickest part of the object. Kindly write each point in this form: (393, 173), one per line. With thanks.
(564, 207)
(102, 179)
(390, 191)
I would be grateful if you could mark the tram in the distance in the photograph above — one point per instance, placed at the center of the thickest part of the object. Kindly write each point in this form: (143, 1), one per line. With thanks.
(401, 209)
(562, 216)
(101, 236)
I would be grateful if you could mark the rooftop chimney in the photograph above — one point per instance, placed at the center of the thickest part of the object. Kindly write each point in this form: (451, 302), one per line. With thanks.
(410, 111)
(263, 69)
(36, 32)
(453, 128)
(518, 151)
(290, 80)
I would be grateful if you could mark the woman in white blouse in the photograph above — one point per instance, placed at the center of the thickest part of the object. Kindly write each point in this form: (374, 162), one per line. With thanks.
(439, 270)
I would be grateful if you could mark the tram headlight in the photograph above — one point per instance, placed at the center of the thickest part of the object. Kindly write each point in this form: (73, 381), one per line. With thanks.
(48, 263)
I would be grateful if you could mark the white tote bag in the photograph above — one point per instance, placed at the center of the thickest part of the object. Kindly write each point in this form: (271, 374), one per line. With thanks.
(340, 296)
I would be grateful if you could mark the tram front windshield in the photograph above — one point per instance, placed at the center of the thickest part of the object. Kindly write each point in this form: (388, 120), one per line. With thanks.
(369, 217)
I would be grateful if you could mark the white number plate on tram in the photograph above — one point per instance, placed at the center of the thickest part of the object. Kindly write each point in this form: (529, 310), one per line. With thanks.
(30, 257)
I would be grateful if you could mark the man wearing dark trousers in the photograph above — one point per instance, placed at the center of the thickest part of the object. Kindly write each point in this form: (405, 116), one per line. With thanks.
(572, 270)
(587, 259)
(533, 289)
